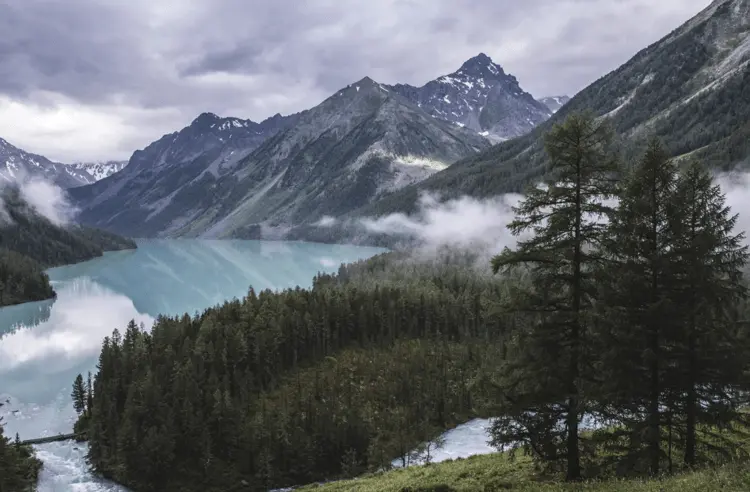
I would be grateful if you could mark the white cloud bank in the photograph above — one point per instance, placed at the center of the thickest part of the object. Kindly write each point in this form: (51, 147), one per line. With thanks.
(45, 198)
(480, 226)
(48, 199)
(465, 223)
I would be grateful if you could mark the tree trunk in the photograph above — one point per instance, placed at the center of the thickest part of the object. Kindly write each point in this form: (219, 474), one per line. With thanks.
(669, 423)
(573, 454)
(654, 438)
(691, 397)
(691, 403)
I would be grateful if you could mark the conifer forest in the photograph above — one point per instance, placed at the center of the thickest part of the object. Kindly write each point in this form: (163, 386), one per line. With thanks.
(610, 341)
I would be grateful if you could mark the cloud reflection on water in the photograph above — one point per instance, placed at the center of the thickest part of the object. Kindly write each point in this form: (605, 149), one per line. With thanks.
(44, 345)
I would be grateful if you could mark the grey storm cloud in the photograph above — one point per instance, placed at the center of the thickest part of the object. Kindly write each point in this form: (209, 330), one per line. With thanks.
(253, 58)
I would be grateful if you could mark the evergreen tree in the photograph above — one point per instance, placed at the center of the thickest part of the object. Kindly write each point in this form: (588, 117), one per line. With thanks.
(19, 468)
(79, 395)
(89, 395)
(710, 355)
(637, 293)
(564, 217)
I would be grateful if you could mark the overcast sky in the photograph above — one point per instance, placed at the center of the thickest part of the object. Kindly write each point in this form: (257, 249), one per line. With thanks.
(98, 79)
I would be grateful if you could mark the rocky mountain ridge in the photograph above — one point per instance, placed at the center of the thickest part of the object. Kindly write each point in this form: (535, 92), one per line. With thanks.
(18, 164)
(479, 96)
(95, 171)
(361, 143)
(691, 89)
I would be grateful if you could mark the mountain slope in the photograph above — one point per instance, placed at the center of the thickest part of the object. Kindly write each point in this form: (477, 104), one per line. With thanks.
(691, 88)
(481, 97)
(29, 233)
(16, 163)
(358, 144)
(207, 147)
(95, 171)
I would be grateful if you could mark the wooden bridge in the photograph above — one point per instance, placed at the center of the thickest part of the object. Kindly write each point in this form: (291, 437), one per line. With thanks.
(57, 438)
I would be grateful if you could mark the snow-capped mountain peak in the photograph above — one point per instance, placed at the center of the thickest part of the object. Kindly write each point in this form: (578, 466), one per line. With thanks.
(95, 171)
(480, 96)
(481, 66)
(18, 164)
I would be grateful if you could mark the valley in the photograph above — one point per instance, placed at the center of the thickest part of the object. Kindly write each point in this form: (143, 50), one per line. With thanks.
(408, 268)
(93, 297)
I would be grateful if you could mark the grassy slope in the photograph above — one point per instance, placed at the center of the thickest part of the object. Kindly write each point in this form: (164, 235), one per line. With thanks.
(498, 472)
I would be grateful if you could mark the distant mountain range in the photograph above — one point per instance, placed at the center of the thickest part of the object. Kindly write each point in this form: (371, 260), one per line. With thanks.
(218, 178)
(227, 177)
(479, 97)
(18, 164)
(371, 149)
(95, 171)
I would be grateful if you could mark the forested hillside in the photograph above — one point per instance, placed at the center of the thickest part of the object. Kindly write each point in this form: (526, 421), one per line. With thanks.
(281, 389)
(29, 243)
(630, 316)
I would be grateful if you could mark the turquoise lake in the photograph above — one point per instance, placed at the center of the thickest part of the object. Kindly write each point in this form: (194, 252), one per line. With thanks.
(44, 345)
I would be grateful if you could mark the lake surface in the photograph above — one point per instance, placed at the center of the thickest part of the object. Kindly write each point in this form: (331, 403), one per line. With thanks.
(44, 345)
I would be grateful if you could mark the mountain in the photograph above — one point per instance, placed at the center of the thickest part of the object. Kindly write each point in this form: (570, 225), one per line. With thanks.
(361, 143)
(691, 89)
(479, 96)
(95, 171)
(16, 163)
(30, 242)
(203, 150)
(554, 103)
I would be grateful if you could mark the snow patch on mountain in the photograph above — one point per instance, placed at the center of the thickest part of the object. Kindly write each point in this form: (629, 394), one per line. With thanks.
(554, 103)
(408, 170)
(18, 164)
(95, 171)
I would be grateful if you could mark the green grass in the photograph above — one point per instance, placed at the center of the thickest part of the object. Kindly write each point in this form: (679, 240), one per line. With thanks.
(497, 472)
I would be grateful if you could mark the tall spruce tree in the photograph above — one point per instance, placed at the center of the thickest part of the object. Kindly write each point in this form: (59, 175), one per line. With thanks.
(637, 290)
(544, 388)
(79, 395)
(711, 354)
(89, 395)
